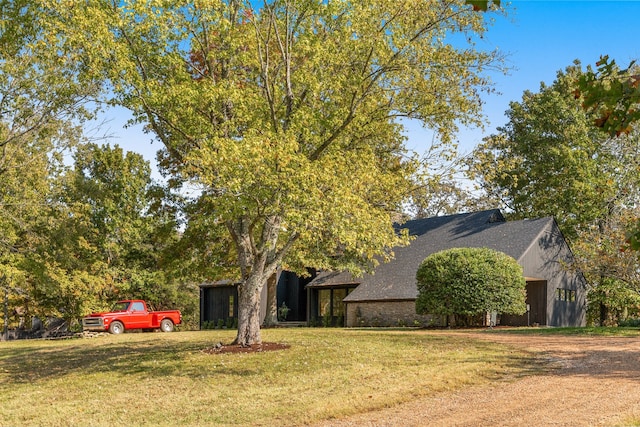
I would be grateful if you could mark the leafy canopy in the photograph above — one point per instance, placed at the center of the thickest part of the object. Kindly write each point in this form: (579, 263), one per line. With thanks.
(290, 110)
(613, 95)
(42, 106)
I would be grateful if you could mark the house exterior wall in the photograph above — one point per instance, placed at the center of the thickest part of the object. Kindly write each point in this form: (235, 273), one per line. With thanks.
(215, 303)
(292, 292)
(384, 313)
(547, 259)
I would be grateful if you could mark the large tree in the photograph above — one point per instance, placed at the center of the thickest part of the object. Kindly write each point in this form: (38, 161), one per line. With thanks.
(612, 273)
(42, 108)
(107, 235)
(549, 159)
(287, 114)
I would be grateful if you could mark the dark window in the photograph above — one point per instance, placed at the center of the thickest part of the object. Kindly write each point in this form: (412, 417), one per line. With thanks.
(120, 306)
(324, 302)
(338, 306)
(330, 306)
(568, 295)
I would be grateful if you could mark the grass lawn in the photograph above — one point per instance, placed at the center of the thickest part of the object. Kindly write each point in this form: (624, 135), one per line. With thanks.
(167, 379)
(573, 331)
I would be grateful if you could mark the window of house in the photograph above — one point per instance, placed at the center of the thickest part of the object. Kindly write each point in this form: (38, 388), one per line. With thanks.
(338, 306)
(230, 305)
(324, 302)
(330, 301)
(568, 295)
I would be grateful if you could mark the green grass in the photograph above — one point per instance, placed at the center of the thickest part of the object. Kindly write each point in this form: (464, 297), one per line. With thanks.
(586, 331)
(167, 379)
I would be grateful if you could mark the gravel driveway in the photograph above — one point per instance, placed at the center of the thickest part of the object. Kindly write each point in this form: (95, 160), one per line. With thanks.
(595, 382)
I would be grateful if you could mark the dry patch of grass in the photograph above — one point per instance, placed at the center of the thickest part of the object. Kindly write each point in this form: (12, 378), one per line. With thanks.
(170, 379)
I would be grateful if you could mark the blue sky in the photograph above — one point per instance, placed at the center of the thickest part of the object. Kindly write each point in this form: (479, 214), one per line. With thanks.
(539, 37)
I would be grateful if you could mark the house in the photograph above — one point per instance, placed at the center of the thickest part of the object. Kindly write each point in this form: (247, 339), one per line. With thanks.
(555, 295)
(219, 300)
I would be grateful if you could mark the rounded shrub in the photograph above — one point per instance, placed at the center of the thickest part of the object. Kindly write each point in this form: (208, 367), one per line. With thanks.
(466, 282)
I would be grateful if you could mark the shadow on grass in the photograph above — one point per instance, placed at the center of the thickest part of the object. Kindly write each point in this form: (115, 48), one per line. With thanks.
(30, 363)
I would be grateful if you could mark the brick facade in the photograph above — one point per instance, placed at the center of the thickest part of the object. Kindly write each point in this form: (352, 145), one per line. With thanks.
(385, 313)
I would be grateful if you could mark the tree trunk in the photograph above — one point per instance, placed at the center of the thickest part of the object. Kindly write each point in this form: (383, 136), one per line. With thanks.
(271, 318)
(258, 260)
(249, 311)
(604, 314)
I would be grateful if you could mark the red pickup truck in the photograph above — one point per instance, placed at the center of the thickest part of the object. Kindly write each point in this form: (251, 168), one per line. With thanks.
(131, 314)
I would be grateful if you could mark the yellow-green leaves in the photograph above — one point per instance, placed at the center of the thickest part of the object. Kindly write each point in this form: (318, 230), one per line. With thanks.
(276, 109)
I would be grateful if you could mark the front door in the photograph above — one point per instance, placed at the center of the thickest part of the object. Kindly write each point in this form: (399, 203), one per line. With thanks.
(537, 301)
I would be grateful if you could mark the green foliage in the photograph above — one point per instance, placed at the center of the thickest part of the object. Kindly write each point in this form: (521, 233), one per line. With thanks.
(469, 282)
(551, 160)
(42, 108)
(612, 302)
(99, 239)
(437, 186)
(283, 311)
(327, 321)
(611, 269)
(482, 5)
(613, 94)
(629, 322)
(229, 323)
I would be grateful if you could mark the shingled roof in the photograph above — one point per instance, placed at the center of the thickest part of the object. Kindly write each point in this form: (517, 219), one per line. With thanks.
(395, 280)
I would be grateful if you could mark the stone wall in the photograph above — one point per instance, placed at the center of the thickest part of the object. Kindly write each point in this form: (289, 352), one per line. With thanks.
(385, 313)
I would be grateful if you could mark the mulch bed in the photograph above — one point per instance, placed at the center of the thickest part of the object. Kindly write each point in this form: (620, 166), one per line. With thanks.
(255, 348)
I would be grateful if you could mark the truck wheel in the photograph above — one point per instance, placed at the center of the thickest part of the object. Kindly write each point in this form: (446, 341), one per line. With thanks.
(116, 328)
(166, 325)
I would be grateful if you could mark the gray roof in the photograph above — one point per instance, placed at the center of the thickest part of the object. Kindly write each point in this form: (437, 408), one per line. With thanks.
(395, 280)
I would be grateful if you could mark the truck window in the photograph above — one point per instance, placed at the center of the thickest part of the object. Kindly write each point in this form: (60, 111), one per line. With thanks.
(137, 306)
(120, 306)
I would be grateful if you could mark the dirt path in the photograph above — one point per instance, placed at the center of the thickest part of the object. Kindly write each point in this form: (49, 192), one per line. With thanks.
(596, 382)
